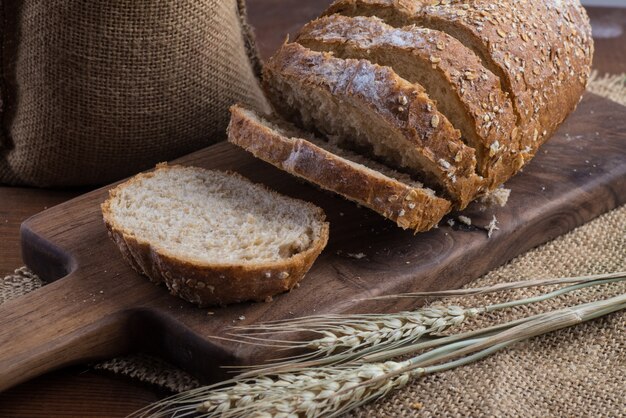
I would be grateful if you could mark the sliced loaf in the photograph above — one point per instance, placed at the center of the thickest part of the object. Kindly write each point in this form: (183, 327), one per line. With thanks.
(370, 107)
(394, 195)
(468, 94)
(540, 49)
(213, 237)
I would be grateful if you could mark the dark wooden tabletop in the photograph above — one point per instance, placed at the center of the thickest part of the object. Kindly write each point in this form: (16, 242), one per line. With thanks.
(81, 392)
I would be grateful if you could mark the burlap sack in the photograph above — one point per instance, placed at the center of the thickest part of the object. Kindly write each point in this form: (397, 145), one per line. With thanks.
(93, 91)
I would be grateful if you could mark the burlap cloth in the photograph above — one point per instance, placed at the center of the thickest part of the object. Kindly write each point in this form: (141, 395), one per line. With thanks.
(94, 91)
(579, 371)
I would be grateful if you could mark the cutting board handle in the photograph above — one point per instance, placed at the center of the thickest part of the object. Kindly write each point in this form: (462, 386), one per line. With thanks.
(64, 322)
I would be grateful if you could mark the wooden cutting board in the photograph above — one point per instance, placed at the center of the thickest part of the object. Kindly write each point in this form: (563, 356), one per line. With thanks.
(98, 307)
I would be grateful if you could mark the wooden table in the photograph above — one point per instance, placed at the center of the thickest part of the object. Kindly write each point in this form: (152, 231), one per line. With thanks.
(80, 392)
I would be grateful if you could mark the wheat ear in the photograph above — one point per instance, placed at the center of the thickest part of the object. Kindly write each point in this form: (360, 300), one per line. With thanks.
(349, 337)
(330, 391)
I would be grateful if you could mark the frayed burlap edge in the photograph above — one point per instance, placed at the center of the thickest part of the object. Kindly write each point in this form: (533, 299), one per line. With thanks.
(21, 282)
(249, 39)
(150, 369)
(4, 138)
(586, 373)
(610, 86)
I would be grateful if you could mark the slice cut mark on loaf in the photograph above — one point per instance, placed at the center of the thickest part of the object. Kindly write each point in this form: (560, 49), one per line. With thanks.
(452, 75)
(213, 237)
(364, 104)
(392, 194)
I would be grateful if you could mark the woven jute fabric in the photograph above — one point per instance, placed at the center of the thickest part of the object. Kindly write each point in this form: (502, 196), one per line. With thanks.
(578, 371)
(610, 86)
(93, 91)
(574, 372)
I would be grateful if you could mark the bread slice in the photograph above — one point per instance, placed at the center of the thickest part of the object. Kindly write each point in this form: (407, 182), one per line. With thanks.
(468, 94)
(541, 50)
(213, 237)
(394, 195)
(370, 107)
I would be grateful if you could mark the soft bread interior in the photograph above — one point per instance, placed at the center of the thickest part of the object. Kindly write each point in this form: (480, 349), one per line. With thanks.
(391, 193)
(212, 217)
(361, 161)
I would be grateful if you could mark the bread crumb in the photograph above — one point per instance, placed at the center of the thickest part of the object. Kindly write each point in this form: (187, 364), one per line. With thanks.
(446, 165)
(210, 313)
(494, 147)
(499, 196)
(269, 299)
(464, 219)
(417, 405)
(358, 256)
(451, 222)
(492, 226)
(242, 317)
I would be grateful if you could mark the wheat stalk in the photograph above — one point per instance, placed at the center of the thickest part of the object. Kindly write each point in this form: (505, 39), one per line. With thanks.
(306, 393)
(330, 391)
(350, 337)
(500, 287)
(344, 337)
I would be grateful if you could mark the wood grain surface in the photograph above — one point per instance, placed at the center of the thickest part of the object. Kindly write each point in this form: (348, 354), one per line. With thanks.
(98, 307)
(609, 36)
(80, 392)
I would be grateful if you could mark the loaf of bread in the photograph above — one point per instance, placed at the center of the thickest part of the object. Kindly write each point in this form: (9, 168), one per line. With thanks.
(465, 91)
(212, 237)
(367, 106)
(540, 49)
(456, 95)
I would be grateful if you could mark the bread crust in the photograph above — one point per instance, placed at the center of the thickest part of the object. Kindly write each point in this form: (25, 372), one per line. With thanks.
(404, 107)
(541, 49)
(477, 90)
(409, 207)
(208, 284)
